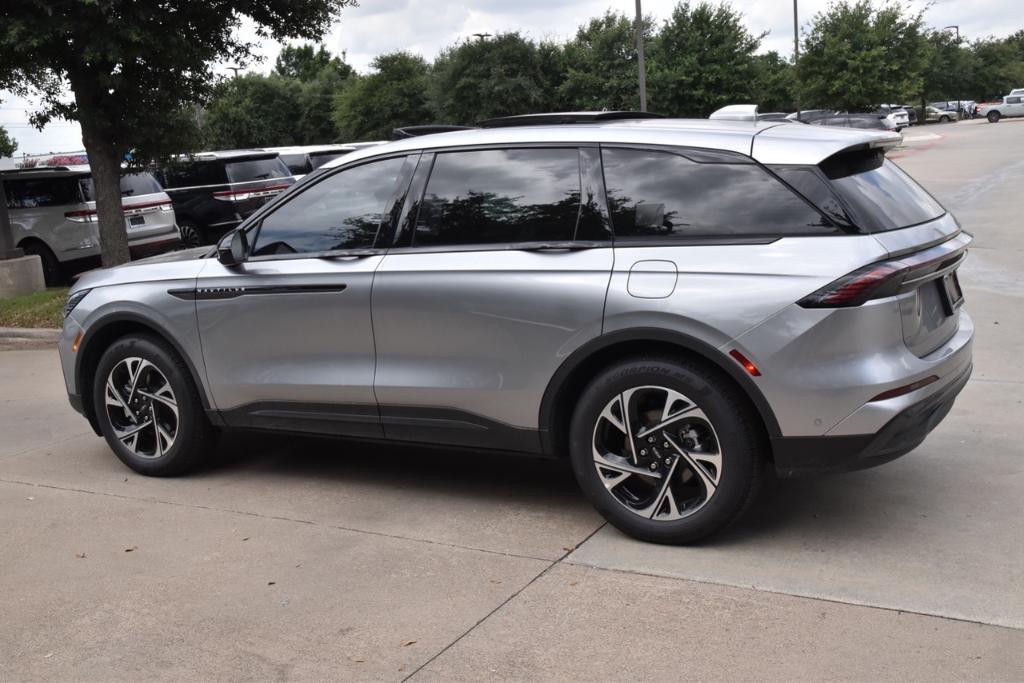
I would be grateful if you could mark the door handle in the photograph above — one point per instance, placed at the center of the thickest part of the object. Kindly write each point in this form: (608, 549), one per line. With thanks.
(568, 245)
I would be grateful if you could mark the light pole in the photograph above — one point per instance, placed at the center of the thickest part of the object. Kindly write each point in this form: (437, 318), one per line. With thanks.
(796, 59)
(959, 113)
(640, 56)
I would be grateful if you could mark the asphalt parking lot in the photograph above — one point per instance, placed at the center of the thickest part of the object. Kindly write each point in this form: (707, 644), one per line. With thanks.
(295, 558)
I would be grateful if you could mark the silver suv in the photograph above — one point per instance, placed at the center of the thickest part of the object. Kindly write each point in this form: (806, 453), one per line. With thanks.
(673, 305)
(53, 215)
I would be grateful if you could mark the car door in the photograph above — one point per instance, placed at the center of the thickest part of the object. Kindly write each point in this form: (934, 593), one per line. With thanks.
(1014, 106)
(287, 335)
(499, 273)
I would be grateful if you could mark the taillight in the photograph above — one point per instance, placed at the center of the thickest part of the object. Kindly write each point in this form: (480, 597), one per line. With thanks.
(870, 282)
(89, 215)
(82, 216)
(242, 195)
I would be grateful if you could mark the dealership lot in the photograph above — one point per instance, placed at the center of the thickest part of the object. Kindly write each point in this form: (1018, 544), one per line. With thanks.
(291, 558)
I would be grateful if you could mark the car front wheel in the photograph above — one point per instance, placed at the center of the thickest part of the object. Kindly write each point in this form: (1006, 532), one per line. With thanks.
(148, 407)
(666, 449)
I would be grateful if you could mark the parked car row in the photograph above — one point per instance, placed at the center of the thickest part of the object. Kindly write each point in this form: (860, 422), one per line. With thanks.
(190, 201)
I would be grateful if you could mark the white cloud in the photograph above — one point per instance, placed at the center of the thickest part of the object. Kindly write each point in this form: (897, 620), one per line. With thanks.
(426, 27)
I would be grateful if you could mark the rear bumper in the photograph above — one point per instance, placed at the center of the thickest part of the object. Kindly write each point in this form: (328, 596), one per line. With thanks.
(805, 455)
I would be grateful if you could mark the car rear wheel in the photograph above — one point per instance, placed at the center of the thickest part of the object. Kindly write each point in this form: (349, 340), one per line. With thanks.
(148, 407)
(667, 450)
(191, 235)
(944, 119)
(993, 117)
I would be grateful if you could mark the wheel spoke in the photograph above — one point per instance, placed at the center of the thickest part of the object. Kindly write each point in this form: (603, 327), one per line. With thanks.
(113, 396)
(653, 509)
(163, 396)
(157, 408)
(606, 462)
(134, 431)
(133, 375)
(697, 468)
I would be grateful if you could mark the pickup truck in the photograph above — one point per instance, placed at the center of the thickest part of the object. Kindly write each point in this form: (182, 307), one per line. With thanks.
(1012, 105)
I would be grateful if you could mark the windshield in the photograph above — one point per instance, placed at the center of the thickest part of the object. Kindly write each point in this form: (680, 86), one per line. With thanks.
(256, 169)
(132, 185)
(878, 194)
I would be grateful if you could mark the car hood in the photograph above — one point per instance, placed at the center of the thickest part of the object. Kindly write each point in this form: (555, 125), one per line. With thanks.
(175, 265)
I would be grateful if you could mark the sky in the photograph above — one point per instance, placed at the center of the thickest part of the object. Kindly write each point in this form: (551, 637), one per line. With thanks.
(427, 26)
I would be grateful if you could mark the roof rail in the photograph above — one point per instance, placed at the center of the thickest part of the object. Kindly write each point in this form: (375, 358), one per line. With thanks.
(428, 129)
(556, 118)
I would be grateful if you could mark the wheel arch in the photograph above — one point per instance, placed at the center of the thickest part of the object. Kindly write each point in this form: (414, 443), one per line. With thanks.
(575, 372)
(101, 334)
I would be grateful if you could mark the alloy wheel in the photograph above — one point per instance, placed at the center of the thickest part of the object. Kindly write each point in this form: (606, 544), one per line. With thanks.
(141, 407)
(657, 453)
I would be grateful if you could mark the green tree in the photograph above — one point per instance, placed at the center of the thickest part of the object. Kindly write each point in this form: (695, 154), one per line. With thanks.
(316, 100)
(394, 95)
(306, 62)
(482, 79)
(7, 146)
(999, 67)
(701, 60)
(950, 71)
(253, 111)
(856, 56)
(774, 83)
(128, 64)
(600, 65)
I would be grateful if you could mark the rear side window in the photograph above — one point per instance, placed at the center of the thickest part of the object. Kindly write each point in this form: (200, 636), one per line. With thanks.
(663, 196)
(33, 193)
(343, 211)
(878, 195)
(297, 163)
(132, 185)
(500, 196)
(256, 169)
(193, 174)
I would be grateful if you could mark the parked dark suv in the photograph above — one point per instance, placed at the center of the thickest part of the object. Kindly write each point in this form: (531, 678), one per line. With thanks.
(214, 191)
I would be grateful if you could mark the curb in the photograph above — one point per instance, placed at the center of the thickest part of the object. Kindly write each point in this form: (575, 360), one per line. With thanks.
(44, 334)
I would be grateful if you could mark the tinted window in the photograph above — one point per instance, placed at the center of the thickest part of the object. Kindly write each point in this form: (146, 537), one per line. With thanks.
(500, 196)
(31, 193)
(318, 159)
(664, 196)
(132, 185)
(879, 195)
(193, 174)
(256, 169)
(869, 122)
(297, 163)
(1013, 100)
(812, 186)
(340, 212)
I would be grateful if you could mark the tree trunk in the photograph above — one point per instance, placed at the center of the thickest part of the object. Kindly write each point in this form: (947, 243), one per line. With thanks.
(7, 249)
(105, 162)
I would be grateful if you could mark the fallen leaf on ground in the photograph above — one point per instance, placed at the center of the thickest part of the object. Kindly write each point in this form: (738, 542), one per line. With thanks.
(271, 583)
(408, 643)
(31, 498)
(357, 659)
(131, 549)
(246, 538)
(80, 556)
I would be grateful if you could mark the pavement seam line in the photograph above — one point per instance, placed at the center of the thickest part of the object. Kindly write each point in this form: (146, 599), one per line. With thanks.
(279, 518)
(504, 602)
(801, 596)
(48, 445)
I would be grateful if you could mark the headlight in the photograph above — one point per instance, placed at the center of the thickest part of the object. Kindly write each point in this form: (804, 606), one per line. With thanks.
(74, 300)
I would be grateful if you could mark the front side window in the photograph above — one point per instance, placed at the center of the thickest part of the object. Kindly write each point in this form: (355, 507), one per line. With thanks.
(664, 196)
(500, 196)
(343, 211)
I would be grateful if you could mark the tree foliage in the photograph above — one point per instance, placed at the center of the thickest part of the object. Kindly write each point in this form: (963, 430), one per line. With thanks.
(856, 56)
(774, 83)
(394, 95)
(306, 63)
(252, 111)
(7, 146)
(702, 59)
(482, 79)
(600, 65)
(128, 64)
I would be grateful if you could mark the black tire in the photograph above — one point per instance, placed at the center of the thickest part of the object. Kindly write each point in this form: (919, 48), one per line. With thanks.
(194, 436)
(993, 117)
(53, 275)
(737, 429)
(944, 119)
(191, 234)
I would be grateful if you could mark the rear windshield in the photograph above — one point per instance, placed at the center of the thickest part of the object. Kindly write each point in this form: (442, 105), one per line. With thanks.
(320, 158)
(256, 169)
(877, 193)
(132, 185)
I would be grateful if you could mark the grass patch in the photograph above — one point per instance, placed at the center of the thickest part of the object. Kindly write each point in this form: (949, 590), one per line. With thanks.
(42, 309)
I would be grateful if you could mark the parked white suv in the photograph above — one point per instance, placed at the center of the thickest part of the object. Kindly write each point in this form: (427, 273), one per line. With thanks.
(53, 215)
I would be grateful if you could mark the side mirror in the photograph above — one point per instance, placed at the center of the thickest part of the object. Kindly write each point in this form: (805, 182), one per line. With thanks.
(233, 249)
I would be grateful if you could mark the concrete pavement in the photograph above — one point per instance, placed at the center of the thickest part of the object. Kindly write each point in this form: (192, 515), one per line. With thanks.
(303, 559)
